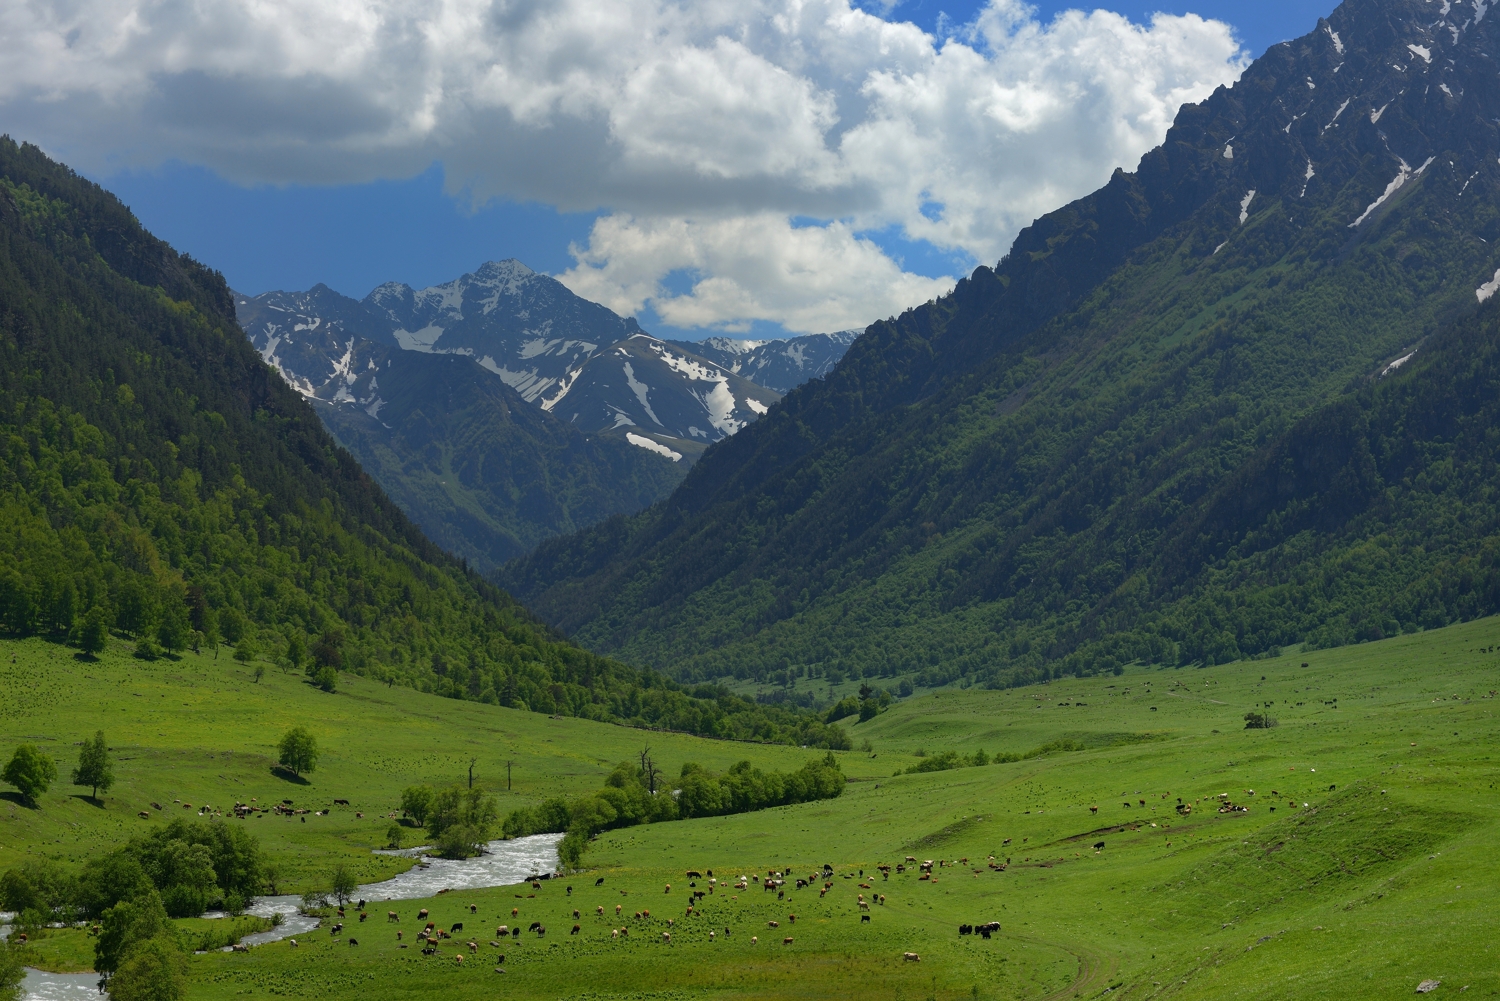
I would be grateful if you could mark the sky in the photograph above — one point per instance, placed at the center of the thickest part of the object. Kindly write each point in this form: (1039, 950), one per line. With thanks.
(754, 167)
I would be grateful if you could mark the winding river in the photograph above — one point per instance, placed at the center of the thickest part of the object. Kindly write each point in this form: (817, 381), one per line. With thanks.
(503, 863)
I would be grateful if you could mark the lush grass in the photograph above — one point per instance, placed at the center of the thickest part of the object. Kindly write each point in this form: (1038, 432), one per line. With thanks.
(1375, 885)
(202, 731)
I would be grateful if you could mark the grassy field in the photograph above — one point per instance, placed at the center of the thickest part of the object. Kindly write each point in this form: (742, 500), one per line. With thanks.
(1372, 873)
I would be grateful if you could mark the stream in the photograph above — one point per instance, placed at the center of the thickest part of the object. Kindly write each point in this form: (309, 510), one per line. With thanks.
(503, 863)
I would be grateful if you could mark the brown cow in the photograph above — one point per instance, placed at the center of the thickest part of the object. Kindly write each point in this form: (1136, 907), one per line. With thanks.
(787, 940)
(911, 957)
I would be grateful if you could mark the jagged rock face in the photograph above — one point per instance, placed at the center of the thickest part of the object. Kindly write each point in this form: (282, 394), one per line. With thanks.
(644, 387)
(310, 337)
(526, 328)
(779, 365)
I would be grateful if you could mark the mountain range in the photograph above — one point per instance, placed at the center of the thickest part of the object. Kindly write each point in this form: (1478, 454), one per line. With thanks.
(163, 484)
(1239, 399)
(500, 409)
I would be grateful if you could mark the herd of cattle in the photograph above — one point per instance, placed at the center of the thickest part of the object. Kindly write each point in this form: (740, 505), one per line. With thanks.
(431, 935)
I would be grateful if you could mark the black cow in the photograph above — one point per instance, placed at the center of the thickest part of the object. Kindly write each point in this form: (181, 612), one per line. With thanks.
(458, 926)
(599, 881)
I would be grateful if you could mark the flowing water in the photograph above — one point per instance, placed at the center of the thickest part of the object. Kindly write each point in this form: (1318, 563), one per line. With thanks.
(503, 864)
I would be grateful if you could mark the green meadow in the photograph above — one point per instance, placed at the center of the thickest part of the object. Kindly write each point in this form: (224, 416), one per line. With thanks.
(1361, 862)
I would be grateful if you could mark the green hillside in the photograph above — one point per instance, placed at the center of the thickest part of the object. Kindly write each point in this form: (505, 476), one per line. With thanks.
(1372, 874)
(1159, 430)
(486, 475)
(162, 482)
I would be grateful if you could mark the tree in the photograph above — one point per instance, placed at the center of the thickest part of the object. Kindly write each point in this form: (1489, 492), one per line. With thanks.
(93, 631)
(260, 672)
(245, 650)
(155, 971)
(127, 925)
(296, 650)
(416, 801)
(326, 678)
(299, 750)
(12, 972)
(343, 884)
(30, 771)
(94, 770)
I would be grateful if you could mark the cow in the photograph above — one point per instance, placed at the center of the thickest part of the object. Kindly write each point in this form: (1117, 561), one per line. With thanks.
(617, 910)
(392, 916)
(666, 937)
(693, 874)
(473, 908)
(398, 934)
(293, 942)
(966, 929)
(787, 940)
(459, 958)
(473, 946)
(601, 910)
(754, 940)
(599, 881)
(541, 932)
(864, 919)
(576, 930)
(773, 924)
(144, 815)
(337, 928)
(515, 932)
(534, 926)
(575, 914)
(363, 915)
(910, 957)
(457, 926)
(515, 912)
(502, 931)
(422, 914)
(354, 941)
(341, 802)
(1098, 846)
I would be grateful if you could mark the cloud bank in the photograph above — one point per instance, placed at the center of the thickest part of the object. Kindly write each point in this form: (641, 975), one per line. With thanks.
(745, 144)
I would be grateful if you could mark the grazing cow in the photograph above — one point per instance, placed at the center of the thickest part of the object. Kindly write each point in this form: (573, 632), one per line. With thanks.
(392, 916)
(515, 912)
(754, 940)
(502, 931)
(431, 950)
(575, 931)
(666, 937)
(363, 915)
(473, 908)
(354, 941)
(473, 946)
(144, 815)
(459, 958)
(541, 932)
(293, 942)
(864, 919)
(599, 881)
(1098, 846)
(575, 915)
(601, 910)
(398, 934)
(792, 918)
(360, 905)
(910, 957)
(534, 926)
(966, 929)
(668, 889)
(787, 940)
(646, 915)
(457, 926)
(614, 933)
(617, 910)
(237, 947)
(773, 924)
(341, 802)
(692, 874)
(422, 914)
(338, 928)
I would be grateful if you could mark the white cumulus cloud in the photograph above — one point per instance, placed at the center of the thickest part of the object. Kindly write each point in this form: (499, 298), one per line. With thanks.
(705, 127)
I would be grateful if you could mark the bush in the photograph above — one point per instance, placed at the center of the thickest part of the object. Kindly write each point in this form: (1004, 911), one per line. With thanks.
(416, 801)
(155, 971)
(326, 678)
(30, 771)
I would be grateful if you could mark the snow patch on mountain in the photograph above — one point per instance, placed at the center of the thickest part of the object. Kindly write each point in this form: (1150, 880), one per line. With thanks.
(653, 446)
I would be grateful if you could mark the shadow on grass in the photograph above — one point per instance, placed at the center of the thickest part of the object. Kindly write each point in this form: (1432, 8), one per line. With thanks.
(287, 775)
(90, 800)
(86, 658)
(18, 799)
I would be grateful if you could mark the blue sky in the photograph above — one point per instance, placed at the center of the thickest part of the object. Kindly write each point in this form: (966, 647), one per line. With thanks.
(353, 236)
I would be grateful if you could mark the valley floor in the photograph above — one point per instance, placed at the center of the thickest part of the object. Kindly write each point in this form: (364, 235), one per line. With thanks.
(1361, 866)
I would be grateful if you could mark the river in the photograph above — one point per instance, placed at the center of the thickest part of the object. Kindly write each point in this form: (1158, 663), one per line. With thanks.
(503, 863)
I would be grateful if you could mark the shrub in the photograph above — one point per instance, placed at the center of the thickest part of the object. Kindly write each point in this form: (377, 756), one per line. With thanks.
(30, 771)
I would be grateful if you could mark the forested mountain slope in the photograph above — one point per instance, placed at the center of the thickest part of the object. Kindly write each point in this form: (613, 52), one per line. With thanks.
(161, 479)
(1119, 443)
